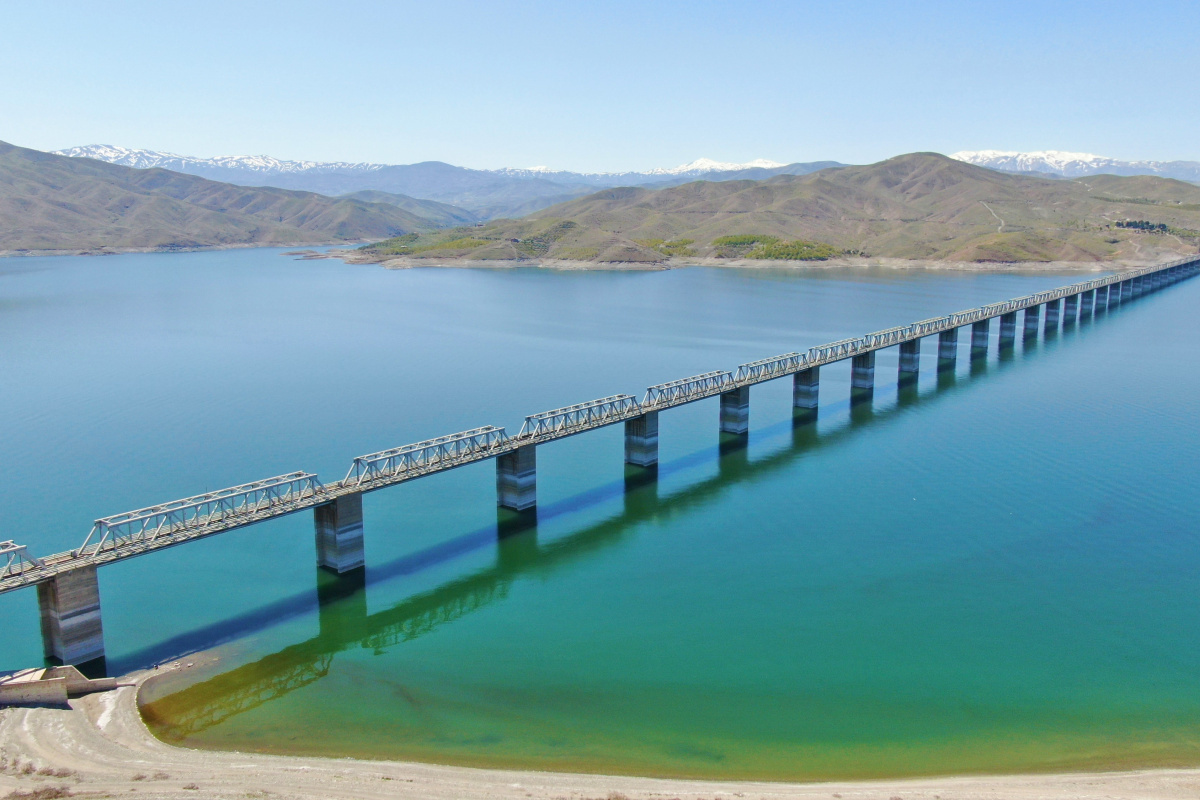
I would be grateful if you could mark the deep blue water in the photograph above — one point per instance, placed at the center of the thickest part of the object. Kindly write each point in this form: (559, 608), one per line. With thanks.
(1008, 554)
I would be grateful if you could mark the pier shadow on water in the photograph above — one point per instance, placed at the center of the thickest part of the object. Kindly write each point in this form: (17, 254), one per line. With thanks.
(340, 602)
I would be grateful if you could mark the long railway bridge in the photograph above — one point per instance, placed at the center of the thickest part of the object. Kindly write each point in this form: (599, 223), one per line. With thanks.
(67, 584)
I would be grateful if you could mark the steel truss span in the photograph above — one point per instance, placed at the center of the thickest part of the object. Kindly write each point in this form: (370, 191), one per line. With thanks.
(147, 529)
(386, 467)
(581, 416)
(249, 501)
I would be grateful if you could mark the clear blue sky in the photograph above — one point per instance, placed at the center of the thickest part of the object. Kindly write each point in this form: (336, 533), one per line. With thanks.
(603, 85)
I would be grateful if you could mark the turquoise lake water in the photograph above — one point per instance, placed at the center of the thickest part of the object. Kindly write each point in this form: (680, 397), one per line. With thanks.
(996, 570)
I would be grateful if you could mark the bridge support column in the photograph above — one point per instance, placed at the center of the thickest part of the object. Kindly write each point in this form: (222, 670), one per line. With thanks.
(862, 377)
(1088, 302)
(70, 610)
(339, 528)
(910, 361)
(1127, 290)
(806, 388)
(1008, 329)
(1102, 298)
(1033, 320)
(1053, 312)
(1070, 309)
(979, 338)
(641, 440)
(947, 349)
(735, 411)
(516, 478)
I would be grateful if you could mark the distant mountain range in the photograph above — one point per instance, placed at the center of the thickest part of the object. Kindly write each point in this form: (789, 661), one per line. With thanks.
(916, 206)
(483, 194)
(50, 202)
(1077, 165)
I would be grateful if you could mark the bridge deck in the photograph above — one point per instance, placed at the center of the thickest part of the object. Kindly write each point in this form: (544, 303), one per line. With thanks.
(136, 533)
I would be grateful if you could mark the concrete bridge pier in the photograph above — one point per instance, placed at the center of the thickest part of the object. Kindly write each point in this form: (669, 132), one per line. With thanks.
(806, 388)
(1008, 329)
(910, 361)
(1102, 298)
(516, 478)
(339, 529)
(1070, 309)
(979, 338)
(862, 377)
(69, 604)
(947, 350)
(1088, 302)
(735, 411)
(641, 440)
(1033, 320)
(1053, 312)
(1126, 291)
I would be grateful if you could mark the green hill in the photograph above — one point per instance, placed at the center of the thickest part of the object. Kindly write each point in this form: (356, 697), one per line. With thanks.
(51, 202)
(917, 206)
(442, 215)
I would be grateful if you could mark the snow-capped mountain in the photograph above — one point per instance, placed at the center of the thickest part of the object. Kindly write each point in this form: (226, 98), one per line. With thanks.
(486, 193)
(148, 159)
(1074, 165)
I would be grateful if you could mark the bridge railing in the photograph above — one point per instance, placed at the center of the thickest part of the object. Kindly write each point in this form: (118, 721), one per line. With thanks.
(581, 416)
(146, 525)
(442, 452)
(685, 390)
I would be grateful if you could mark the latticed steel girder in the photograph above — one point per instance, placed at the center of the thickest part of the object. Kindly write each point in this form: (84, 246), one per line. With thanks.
(16, 559)
(429, 455)
(581, 416)
(685, 390)
(194, 514)
(767, 368)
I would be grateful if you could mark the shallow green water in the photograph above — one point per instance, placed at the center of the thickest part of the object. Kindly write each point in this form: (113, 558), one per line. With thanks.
(994, 571)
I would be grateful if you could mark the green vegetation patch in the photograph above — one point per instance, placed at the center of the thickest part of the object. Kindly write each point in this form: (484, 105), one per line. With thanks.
(465, 243)
(738, 245)
(674, 247)
(394, 246)
(744, 240)
(799, 250)
(538, 246)
(579, 253)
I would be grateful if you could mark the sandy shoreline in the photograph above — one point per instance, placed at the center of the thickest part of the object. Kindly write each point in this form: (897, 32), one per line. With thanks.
(101, 748)
(403, 262)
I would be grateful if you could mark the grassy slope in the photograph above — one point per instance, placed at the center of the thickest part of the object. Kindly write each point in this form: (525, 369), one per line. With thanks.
(50, 202)
(921, 205)
(442, 215)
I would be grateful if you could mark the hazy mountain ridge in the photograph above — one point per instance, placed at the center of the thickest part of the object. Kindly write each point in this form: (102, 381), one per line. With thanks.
(484, 193)
(918, 206)
(1076, 165)
(52, 202)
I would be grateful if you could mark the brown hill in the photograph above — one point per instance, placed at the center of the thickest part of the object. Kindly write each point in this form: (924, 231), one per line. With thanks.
(918, 206)
(50, 202)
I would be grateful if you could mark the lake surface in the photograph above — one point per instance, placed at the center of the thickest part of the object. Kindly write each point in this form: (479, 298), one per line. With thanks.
(996, 570)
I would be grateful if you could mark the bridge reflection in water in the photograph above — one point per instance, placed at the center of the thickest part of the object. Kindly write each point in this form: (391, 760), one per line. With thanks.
(343, 618)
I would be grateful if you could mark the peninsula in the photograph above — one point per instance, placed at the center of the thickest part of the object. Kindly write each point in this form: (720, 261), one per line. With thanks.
(921, 206)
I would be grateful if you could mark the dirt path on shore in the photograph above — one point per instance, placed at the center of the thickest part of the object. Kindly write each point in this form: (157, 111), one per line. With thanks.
(100, 748)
